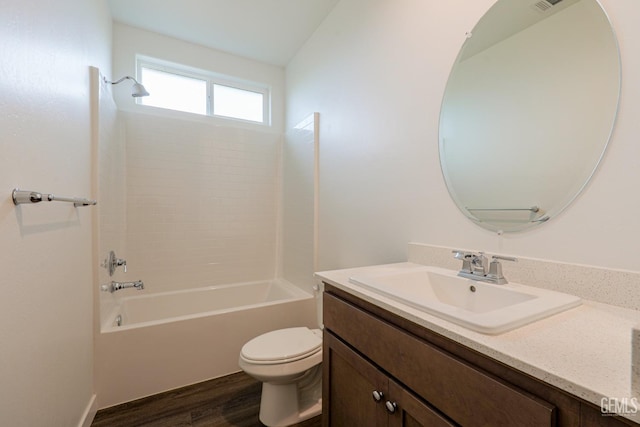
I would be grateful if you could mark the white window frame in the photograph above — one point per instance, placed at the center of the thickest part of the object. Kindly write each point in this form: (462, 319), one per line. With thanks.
(211, 78)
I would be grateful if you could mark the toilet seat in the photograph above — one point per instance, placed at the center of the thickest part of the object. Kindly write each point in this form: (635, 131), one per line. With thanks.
(282, 346)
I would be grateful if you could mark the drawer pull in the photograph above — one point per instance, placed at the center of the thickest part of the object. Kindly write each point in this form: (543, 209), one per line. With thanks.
(377, 395)
(391, 407)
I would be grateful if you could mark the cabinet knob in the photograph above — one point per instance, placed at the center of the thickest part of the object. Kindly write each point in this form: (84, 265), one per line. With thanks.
(391, 406)
(377, 395)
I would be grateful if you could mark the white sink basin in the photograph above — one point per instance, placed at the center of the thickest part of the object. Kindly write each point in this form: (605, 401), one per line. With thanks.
(479, 306)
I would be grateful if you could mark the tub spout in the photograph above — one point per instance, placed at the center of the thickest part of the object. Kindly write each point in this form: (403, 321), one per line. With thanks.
(116, 286)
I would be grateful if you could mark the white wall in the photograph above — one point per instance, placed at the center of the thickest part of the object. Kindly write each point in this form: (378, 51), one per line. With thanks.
(46, 266)
(376, 71)
(298, 249)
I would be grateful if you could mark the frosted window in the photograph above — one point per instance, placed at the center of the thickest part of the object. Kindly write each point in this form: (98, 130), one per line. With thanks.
(237, 103)
(183, 88)
(174, 91)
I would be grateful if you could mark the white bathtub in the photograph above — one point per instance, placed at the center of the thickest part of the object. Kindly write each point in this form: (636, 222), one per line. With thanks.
(172, 339)
(145, 310)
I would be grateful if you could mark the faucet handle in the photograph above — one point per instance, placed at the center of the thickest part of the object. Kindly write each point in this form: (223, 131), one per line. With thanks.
(466, 260)
(112, 262)
(459, 254)
(503, 258)
(121, 262)
(495, 268)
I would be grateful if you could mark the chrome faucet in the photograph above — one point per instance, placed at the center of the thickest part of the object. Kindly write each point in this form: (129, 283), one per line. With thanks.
(113, 262)
(116, 286)
(472, 263)
(476, 266)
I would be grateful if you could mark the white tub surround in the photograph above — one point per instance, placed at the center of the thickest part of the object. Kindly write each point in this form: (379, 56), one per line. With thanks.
(174, 339)
(585, 351)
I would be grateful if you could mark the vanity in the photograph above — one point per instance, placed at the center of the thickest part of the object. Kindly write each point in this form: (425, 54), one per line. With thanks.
(386, 363)
(519, 139)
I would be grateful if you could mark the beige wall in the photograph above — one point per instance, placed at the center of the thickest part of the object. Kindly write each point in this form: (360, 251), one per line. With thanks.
(376, 71)
(46, 268)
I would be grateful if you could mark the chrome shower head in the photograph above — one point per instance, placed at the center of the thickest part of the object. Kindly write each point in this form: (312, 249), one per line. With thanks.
(137, 90)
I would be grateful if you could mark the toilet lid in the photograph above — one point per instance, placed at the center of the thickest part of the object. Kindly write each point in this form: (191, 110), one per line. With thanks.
(282, 345)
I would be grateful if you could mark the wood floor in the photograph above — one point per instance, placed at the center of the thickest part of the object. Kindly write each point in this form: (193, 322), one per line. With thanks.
(233, 400)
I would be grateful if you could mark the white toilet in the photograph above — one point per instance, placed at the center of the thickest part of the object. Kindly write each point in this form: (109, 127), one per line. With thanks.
(288, 362)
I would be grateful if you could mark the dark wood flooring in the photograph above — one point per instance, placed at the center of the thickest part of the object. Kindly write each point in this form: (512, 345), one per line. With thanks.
(233, 400)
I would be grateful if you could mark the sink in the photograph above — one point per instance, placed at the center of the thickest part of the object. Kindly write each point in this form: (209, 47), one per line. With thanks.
(479, 306)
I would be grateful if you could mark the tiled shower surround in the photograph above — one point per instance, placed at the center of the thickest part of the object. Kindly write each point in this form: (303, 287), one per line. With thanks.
(201, 203)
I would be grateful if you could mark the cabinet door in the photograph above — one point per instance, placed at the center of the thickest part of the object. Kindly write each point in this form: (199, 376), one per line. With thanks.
(411, 411)
(349, 383)
(465, 393)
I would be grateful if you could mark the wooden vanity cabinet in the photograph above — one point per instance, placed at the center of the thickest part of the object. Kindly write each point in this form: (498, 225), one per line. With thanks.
(360, 394)
(424, 379)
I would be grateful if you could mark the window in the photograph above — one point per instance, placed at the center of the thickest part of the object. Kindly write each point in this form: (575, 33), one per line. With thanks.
(237, 103)
(180, 88)
(173, 91)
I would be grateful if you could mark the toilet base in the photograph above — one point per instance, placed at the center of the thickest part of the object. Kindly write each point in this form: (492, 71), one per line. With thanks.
(286, 404)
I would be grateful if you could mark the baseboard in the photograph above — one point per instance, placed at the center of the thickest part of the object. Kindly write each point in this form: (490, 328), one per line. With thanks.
(89, 413)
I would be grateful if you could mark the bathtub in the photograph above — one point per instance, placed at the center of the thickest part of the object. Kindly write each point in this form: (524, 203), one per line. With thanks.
(145, 310)
(157, 342)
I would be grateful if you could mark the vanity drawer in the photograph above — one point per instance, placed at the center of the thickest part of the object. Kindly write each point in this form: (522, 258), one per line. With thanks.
(464, 393)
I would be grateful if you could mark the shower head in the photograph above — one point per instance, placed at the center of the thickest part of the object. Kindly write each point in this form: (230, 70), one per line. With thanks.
(137, 90)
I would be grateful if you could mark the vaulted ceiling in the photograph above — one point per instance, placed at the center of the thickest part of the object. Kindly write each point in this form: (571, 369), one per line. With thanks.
(270, 31)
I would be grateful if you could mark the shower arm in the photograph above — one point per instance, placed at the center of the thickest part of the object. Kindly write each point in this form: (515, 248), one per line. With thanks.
(120, 80)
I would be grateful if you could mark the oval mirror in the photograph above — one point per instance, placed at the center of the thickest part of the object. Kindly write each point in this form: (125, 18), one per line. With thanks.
(528, 110)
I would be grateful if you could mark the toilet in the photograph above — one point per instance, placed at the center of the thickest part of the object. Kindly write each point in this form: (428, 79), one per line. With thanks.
(288, 363)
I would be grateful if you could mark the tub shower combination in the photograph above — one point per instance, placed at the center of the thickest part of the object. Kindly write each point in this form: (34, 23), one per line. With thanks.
(148, 340)
(157, 342)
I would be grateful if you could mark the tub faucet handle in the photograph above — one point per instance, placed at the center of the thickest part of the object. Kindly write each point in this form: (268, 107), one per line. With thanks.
(121, 262)
(113, 262)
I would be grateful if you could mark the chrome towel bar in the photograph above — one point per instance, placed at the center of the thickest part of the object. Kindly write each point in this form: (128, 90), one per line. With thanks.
(22, 196)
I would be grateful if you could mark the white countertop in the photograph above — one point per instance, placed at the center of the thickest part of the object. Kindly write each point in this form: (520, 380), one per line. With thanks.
(585, 351)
